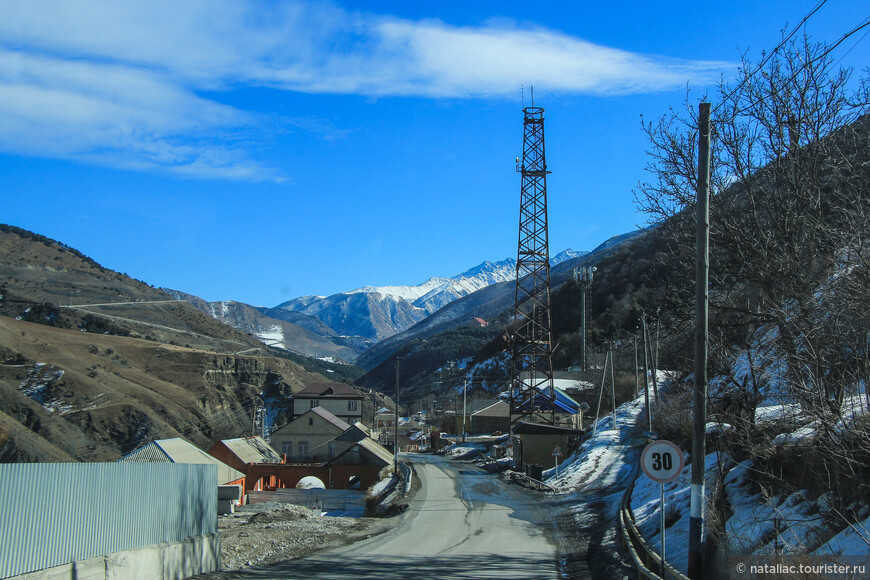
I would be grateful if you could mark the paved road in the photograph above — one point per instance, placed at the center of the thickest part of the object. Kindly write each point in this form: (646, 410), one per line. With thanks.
(463, 523)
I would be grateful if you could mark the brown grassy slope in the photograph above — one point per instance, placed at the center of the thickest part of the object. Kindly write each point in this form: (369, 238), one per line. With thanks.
(95, 397)
(44, 270)
(35, 269)
(67, 395)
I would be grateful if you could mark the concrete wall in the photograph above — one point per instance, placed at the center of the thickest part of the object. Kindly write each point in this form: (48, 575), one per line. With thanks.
(163, 561)
(335, 477)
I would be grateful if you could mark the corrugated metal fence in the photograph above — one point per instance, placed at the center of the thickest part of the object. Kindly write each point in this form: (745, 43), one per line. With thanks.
(324, 499)
(56, 513)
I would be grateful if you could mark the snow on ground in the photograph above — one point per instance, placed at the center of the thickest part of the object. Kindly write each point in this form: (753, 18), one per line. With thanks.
(854, 539)
(786, 524)
(465, 450)
(566, 384)
(272, 336)
(603, 467)
(601, 458)
(646, 504)
(381, 485)
(780, 412)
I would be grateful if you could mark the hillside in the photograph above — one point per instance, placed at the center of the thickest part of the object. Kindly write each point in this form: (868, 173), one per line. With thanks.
(451, 334)
(124, 364)
(277, 327)
(376, 313)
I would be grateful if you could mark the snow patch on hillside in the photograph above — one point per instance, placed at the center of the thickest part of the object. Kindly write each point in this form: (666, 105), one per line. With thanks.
(272, 336)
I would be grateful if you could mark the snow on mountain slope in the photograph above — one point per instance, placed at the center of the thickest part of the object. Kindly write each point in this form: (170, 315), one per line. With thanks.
(378, 312)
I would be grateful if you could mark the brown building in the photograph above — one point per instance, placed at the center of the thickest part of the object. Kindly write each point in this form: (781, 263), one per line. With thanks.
(239, 453)
(492, 419)
(535, 443)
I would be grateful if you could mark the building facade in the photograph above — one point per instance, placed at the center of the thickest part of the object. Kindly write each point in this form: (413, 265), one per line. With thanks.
(340, 399)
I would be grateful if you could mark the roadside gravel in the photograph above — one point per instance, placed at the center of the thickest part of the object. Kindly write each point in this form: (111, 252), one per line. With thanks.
(262, 534)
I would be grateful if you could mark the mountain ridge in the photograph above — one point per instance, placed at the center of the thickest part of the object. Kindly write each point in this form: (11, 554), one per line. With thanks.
(390, 310)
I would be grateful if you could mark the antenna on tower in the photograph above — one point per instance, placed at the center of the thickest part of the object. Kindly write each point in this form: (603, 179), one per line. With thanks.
(532, 88)
(532, 393)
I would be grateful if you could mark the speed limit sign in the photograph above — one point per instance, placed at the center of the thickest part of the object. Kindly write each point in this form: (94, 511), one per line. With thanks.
(661, 461)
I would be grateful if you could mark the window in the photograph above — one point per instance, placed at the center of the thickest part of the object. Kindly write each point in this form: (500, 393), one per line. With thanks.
(311, 420)
(287, 448)
(303, 448)
(315, 403)
(351, 405)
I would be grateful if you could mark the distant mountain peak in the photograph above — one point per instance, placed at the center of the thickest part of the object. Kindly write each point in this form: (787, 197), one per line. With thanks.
(378, 312)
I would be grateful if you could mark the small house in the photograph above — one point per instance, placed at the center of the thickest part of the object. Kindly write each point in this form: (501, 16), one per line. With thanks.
(311, 437)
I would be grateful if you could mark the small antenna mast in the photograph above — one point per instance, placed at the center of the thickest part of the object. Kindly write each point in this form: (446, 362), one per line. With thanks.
(532, 87)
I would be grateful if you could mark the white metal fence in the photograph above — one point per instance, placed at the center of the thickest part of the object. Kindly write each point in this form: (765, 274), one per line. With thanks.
(56, 513)
(323, 499)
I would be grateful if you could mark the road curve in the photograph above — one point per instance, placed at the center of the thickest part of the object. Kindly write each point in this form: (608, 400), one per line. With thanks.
(463, 523)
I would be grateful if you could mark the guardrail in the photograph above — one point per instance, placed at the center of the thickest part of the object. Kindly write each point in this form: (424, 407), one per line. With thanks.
(645, 558)
(407, 474)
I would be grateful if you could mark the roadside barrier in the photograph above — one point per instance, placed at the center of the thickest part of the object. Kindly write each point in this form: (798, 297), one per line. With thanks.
(408, 473)
(645, 558)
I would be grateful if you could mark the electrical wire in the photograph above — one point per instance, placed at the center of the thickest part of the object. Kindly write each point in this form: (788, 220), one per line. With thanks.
(773, 52)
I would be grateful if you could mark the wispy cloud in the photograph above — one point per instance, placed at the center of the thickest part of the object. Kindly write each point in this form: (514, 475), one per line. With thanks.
(122, 83)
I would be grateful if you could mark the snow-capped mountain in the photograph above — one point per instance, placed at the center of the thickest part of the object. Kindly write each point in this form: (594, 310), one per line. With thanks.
(378, 312)
(286, 330)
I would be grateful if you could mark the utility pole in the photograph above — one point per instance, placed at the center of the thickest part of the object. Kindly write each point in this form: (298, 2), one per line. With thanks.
(583, 275)
(636, 379)
(464, 408)
(646, 374)
(396, 432)
(702, 273)
(612, 388)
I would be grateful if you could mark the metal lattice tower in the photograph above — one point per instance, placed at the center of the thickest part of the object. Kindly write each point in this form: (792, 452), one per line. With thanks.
(532, 393)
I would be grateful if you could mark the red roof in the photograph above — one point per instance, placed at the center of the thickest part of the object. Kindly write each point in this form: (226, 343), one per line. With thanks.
(327, 391)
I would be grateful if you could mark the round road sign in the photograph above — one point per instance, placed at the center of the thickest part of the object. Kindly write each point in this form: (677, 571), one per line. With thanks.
(661, 461)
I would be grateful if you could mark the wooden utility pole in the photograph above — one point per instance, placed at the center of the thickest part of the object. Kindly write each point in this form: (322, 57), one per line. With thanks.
(612, 389)
(396, 430)
(702, 272)
(646, 373)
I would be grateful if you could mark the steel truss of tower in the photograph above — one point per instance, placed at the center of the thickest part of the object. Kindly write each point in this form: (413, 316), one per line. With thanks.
(532, 393)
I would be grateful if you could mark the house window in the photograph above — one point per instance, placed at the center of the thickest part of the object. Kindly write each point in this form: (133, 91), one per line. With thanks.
(287, 448)
(303, 449)
(315, 403)
(351, 405)
(311, 420)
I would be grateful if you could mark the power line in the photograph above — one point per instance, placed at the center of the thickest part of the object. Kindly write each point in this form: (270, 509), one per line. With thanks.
(773, 52)
(864, 24)
(860, 40)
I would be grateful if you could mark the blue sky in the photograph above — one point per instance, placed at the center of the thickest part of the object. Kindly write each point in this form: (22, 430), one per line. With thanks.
(260, 151)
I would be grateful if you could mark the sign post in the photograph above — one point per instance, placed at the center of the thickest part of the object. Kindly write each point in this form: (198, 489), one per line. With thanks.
(662, 462)
(557, 453)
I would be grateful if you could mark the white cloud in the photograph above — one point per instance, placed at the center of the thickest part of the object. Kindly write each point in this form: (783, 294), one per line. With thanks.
(120, 83)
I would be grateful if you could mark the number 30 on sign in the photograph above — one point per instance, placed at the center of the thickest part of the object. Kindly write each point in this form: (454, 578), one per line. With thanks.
(661, 461)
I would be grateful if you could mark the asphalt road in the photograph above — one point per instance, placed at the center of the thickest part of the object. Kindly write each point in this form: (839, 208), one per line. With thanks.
(463, 523)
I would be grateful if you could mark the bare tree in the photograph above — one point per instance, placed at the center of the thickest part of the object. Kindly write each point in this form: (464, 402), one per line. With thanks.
(790, 220)
(788, 196)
